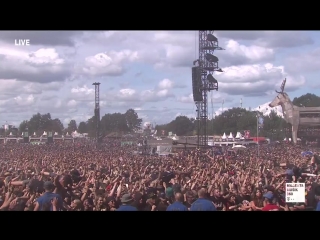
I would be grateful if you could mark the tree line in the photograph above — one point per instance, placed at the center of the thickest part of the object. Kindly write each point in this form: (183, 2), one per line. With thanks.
(239, 119)
(232, 120)
(109, 123)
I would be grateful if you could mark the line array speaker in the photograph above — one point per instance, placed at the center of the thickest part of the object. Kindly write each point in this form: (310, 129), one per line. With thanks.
(196, 84)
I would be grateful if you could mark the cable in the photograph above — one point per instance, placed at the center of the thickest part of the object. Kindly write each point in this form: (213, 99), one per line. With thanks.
(195, 45)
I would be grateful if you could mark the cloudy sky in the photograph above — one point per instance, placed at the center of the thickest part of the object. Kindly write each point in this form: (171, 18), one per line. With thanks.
(147, 71)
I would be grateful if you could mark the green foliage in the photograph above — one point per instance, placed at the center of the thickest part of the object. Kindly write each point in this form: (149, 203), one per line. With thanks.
(82, 127)
(307, 100)
(41, 122)
(72, 126)
(181, 126)
(232, 120)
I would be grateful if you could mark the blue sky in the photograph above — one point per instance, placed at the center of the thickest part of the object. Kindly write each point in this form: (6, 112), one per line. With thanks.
(147, 71)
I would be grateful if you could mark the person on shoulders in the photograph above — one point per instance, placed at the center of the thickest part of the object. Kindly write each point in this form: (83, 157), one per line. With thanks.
(126, 200)
(178, 204)
(202, 204)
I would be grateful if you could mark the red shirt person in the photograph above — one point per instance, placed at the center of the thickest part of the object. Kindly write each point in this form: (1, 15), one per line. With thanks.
(269, 206)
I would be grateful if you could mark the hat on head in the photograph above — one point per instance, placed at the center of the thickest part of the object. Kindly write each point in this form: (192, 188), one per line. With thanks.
(48, 185)
(268, 195)
(152, 195)
(169, 192)
(126, 198)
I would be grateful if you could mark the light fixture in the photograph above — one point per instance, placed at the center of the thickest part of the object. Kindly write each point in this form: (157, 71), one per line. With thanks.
(211, 79)
(211, 38)
(219, 70)
(211, 58)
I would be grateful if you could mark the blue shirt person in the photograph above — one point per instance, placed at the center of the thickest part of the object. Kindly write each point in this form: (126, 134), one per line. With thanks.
(177, 205)
(44, 203)
(202, 204)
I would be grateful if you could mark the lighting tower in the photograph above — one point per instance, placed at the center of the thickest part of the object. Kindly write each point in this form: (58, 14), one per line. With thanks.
(207, 65)
(97, 110)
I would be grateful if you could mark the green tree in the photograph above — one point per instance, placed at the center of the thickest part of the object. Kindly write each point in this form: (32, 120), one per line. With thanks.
(273, 126)
(35, 123)
(82, 127)
(307, 100)
(72, 126)
(182, 126)
(132, 119)
(91, 126)
(57, 126)
(23, 126)
(234, 120)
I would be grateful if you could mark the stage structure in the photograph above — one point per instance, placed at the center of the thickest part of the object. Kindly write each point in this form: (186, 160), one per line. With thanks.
(203, 81)
(97, 110)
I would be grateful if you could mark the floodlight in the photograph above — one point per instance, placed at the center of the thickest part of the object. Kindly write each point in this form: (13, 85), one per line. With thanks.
(219, 70)
(211, 38)
(211, 79)
(211, 58)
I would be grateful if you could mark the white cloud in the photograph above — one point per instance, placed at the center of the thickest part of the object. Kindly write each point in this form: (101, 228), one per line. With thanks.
(165, 84)
(25, 101)
(42, 65)
(237, 54)
(108, 63)
(272, 39)
(213, 97)
(148, 71)
(304, 62)
(256, 80)
(72, 103)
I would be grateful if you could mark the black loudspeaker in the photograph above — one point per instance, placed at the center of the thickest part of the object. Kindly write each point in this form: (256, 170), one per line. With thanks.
(49, 137)
(26, 137)
(196, 84)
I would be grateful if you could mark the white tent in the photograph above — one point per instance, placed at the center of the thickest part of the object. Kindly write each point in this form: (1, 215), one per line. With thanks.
(44, 133)
(238, 147)
(22, 134)
(34, 134)
(56, 134)
(10, 134)
(238, 135)
(67, 134)
(224, 137)
(230, 136)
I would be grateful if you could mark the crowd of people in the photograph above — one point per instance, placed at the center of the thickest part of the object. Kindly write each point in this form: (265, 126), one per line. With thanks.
(86, 177)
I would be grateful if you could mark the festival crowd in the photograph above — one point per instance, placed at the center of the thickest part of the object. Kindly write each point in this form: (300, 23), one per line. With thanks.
(84, 177)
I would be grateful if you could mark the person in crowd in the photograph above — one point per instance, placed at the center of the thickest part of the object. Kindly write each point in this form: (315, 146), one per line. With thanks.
(202, 203)
(125, 206)
(81, 177)
(178, 204)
